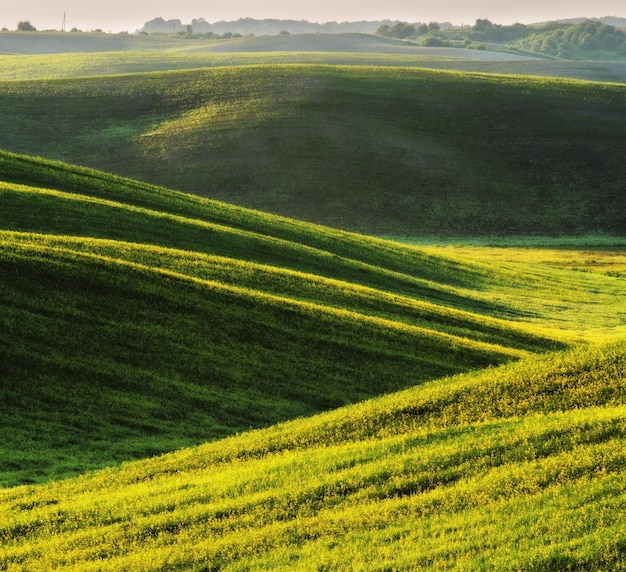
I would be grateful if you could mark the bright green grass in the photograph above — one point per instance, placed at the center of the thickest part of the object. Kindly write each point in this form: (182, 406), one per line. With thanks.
(376, 149)
(517, 468)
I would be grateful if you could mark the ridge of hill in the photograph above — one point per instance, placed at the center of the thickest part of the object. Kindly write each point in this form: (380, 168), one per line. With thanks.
(45, 55)
(61, 43)
(137, 320)
(384, 151)
(32, 43)
(354, 43)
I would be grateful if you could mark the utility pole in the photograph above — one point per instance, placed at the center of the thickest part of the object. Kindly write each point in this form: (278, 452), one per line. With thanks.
(63, 25)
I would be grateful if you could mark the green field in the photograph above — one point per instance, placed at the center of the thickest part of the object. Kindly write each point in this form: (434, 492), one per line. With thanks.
(137, 320)
(54, 66)
(458, 154)
(190, 384)
(485, 471)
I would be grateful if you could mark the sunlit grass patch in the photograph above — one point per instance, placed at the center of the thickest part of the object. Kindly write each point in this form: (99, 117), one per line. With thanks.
(427, 494)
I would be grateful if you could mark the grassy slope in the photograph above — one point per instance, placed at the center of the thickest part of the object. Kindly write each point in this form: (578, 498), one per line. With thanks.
(63, 55)
(517, 468)
(380, 150)
(58, 43)
(63, 43)
(138, 320)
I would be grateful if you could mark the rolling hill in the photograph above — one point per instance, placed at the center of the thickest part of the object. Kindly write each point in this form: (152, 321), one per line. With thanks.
(54, 56)
(189, 384)
(61, 43)
(517, 468)
(384, 151)
(136, 320)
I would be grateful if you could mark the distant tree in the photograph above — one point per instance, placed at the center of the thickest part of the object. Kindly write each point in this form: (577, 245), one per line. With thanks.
(486, 31)
(383, 30)
(26, 26)
(589, 40)
(482, 25)
(435, 42)
(284, 33)
(399, 30)
(403, 30)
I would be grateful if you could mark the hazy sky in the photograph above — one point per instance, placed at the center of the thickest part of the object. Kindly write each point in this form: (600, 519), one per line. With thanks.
(130, 15)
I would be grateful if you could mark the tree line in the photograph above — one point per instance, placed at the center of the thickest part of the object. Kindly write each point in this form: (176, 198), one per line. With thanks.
(590, 39)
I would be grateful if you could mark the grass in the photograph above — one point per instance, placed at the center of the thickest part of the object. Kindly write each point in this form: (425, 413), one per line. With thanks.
(604, 258)
(200, 303)
(70, 65)
(325, 400)
(53, 55)
(318, 143)
(518, 468)
(141, 299)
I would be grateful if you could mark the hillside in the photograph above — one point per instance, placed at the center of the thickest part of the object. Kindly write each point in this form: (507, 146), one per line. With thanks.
(384, 151)
(63, 43)
(79, 64)
(137, 320)
(353, 43)
(189, 382)
(516, 468)
(15, 43)
(324, 397)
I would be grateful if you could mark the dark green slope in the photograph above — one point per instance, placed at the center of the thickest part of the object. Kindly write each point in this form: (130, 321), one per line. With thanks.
(136, 320)
(98, 205)
(379, 150)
